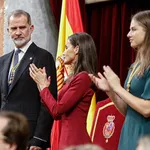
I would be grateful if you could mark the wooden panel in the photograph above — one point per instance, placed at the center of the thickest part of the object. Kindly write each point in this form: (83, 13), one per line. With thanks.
(1, 26)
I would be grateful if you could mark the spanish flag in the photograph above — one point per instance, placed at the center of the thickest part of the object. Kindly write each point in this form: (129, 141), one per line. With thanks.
(70, 23)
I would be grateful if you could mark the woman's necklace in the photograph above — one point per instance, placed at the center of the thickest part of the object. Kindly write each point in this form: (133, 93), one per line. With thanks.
(133, 72)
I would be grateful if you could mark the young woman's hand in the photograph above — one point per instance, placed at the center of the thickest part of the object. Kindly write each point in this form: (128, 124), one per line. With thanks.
(112, 78)
(100, 82)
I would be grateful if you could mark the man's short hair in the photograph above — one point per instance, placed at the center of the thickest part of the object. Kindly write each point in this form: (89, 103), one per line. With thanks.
(18, 13)
(17, 130)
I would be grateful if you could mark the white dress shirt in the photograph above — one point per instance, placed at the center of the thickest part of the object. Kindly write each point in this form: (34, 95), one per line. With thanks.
(21, 54)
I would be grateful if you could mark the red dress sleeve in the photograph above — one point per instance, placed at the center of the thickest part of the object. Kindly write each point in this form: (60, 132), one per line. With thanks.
(80, 84)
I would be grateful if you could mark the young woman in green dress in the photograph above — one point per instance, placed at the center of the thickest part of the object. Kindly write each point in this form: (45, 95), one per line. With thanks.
(133, 101)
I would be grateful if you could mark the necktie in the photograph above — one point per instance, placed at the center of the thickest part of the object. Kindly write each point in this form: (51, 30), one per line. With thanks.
(15, 63)
(16, 57)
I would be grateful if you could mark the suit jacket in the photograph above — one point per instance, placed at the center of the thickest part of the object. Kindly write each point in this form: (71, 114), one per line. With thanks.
(73, 104)
(23, 96)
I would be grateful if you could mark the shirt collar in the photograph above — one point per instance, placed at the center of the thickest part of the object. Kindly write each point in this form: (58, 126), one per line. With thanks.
(24, 49)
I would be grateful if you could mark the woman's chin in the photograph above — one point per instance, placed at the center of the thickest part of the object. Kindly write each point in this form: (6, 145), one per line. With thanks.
(133, 46)
(66, 62)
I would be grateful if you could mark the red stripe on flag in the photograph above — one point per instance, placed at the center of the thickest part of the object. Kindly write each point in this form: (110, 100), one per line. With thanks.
(74, 15)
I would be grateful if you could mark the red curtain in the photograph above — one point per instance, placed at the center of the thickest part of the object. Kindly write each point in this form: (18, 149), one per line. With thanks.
(56, 9)
(108, 23)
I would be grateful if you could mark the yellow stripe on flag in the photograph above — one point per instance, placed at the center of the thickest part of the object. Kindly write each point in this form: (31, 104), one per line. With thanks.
(70, 22)
(91, 113)
(65, 30)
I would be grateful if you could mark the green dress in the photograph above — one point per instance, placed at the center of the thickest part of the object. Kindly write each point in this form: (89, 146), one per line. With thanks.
(135, 125)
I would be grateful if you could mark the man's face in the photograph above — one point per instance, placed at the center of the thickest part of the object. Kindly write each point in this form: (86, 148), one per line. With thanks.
(20, 30)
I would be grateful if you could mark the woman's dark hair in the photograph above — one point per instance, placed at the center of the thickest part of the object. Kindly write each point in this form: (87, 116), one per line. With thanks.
(87, 56)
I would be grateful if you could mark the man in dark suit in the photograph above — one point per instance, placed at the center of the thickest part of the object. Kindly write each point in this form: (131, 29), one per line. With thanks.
(18, 91)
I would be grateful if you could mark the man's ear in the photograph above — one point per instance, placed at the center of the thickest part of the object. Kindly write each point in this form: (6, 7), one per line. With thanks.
(31, 28)
(8, 31)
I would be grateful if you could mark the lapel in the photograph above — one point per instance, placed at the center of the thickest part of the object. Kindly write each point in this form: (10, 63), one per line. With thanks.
(5, 72)
(24, 63)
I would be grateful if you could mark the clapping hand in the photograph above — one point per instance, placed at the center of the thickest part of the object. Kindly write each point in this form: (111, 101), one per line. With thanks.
(100, 82)
(112, 79)
(106, 82)
(39, 76)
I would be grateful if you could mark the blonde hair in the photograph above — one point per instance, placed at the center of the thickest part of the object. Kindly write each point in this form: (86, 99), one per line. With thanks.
(143, 53)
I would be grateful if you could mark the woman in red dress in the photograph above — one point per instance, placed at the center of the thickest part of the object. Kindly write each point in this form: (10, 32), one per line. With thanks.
(75, 97)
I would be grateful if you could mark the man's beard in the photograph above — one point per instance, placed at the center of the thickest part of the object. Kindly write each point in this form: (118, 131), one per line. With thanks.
(21, 42)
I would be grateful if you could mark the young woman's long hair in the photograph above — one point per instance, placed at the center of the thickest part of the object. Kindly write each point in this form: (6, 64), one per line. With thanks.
(143, 53)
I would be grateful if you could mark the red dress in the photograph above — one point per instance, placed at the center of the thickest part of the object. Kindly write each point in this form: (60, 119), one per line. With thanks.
(73, 104)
